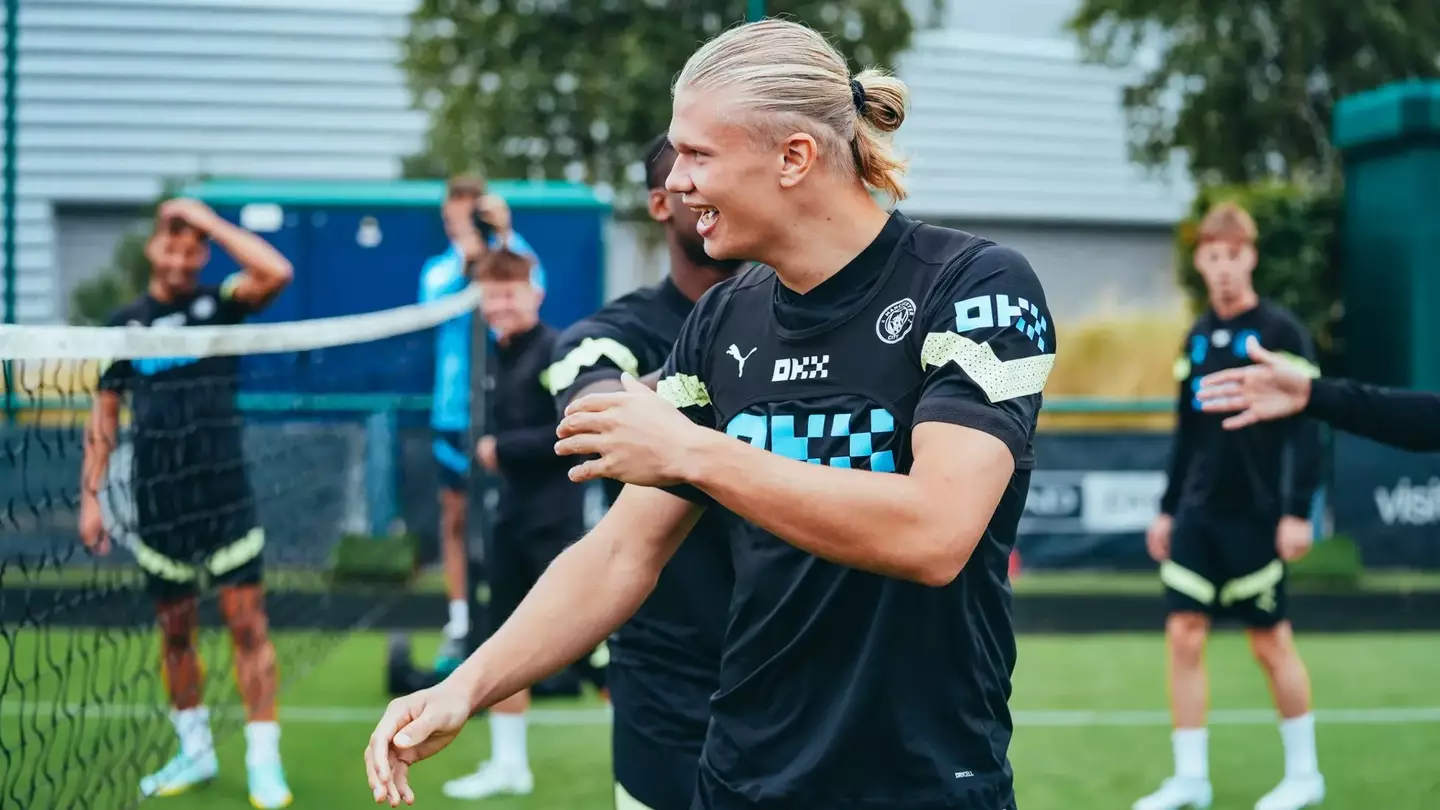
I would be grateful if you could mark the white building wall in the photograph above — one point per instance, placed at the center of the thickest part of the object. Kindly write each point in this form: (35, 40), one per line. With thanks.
(117, 95)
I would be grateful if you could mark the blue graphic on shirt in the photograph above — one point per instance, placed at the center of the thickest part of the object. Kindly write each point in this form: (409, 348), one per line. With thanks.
(150, 366)
(837, 447)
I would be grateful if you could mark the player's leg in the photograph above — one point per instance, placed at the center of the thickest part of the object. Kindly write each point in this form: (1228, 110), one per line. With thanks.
(236, 566)
(453, 469)
(1190, 594)
(163, 554)
(257, 678)
(507, 772)
(1258, 595)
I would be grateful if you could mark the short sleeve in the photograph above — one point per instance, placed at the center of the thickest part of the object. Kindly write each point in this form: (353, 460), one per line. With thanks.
(988, 348)
(232, 311)
(115, 377)
(1293, 342)
(682, 379)
(590, 351)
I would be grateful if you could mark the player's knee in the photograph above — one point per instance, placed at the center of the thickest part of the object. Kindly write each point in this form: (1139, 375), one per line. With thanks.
(1272, 646)
(249, 630)
(1187, 633)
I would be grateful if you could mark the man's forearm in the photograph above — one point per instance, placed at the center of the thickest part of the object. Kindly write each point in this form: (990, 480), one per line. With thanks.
(587, 592)
(1409, 420)
(100, 439)
(876, 522)
(253, 254)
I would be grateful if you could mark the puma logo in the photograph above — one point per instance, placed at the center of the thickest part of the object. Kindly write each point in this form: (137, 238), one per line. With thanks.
(734, 352)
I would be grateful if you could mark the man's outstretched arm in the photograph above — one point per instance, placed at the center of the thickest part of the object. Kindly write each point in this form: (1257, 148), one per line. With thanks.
(587, 592)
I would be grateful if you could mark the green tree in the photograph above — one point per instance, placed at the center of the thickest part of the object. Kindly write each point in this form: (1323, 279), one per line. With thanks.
(1245, 89)
(569, 89)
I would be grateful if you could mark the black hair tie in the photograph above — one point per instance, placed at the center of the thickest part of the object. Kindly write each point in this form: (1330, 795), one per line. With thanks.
(857, 95)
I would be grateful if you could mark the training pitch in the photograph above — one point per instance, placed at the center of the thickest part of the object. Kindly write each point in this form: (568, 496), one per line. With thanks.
(1092, 730)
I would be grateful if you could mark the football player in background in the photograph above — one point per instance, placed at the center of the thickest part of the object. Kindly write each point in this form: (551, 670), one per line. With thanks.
(1235, 511)
(195, 508)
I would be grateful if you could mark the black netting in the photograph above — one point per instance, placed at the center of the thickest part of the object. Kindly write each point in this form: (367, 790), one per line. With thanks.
(84, 709)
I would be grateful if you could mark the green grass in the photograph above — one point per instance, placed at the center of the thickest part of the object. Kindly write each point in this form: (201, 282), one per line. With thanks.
(432, 581)
(1088, 764)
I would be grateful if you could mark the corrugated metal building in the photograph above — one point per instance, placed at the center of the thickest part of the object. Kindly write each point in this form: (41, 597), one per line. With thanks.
(1009, 134)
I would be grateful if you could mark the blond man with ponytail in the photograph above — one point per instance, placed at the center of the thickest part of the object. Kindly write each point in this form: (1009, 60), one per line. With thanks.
(862, 403)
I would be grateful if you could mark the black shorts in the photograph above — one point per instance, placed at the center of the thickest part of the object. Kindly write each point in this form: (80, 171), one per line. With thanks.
(515, 557)
(1226, 568)
(196, 530)
(452, 461)
(649, 774)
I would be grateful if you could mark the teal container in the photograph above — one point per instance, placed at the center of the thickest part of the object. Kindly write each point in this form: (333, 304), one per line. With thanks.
(1390, 139)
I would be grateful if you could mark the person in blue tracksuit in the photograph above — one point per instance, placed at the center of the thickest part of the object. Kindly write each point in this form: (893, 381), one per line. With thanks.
(467, 212)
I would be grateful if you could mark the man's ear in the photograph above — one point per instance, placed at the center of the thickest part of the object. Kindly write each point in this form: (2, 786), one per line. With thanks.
(659, 205)
(798, 154)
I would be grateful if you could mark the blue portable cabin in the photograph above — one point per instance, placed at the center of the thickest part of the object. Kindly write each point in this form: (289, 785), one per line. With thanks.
(359, 247)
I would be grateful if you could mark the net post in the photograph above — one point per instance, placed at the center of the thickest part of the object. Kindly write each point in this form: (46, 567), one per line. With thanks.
(382, 430)
(480, 516)
(12, 54)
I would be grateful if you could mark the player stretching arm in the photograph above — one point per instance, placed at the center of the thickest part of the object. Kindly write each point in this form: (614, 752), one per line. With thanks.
(1235, 511)
(664, 663)
(879, 380)
(1275, 388)
(192, 526)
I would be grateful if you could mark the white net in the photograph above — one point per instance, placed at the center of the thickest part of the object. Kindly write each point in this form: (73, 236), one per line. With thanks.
(268, 455)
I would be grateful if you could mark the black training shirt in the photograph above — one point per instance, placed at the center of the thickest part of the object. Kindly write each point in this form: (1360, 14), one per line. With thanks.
(184, 408)
(1409, 420)
(536, 490)
(1263, 471)
(841, 688)
(670, 649)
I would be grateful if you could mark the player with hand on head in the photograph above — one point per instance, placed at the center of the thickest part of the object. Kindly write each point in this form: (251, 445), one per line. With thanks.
(195, 510)
(1275, 388)
(476, 222)
(875, 449)
(665, 661)
(1235, 511)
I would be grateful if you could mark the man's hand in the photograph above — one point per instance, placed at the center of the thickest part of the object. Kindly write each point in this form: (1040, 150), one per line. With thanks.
(485, 452)
(495, 211)
(194, 213)
(1293, 538)
(1273, 388)
(92, 525)
(1157, 538)
(639, 437)
(413, 728)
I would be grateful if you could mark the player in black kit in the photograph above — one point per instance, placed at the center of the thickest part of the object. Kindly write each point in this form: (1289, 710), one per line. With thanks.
(665, 661)
(195, 509)
(1236, 509)
(864, 403)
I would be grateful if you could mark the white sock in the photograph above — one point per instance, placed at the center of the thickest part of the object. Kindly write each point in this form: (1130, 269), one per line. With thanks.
(1192, 755)
(507, 740)
(459, 625)
(1298, 736)
(193, 728)
(262, 744)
